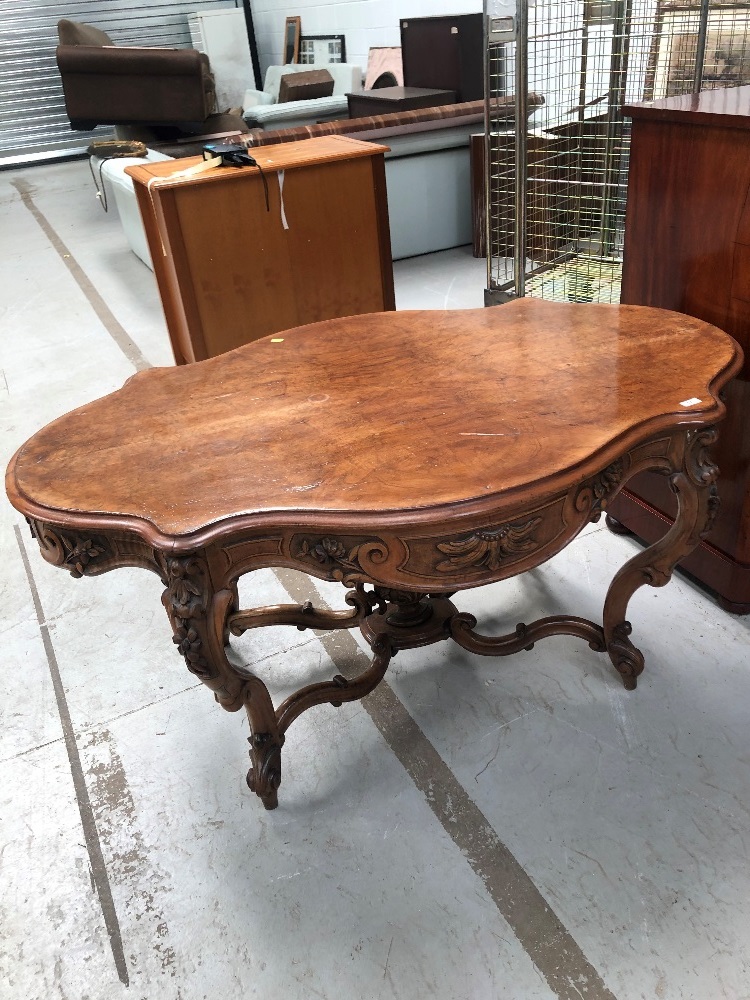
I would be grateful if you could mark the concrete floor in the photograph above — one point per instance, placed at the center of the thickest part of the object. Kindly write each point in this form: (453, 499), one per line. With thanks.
(519, 828)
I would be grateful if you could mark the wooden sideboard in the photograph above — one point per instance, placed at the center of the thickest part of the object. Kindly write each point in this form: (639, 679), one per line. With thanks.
(232, 268)
(687, 247)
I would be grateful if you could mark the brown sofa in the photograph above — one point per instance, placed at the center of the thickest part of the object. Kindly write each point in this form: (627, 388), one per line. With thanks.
(104, 84)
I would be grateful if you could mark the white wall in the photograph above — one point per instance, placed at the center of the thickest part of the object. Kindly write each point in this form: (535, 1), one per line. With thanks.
(365, 23)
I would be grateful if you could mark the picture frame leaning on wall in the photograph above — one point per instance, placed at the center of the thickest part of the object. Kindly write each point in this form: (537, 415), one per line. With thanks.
(292, 32)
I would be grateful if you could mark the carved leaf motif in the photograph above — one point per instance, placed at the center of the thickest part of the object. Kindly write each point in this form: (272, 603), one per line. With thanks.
(72, 552)
(592, 495)
(487, 549)
(713, 507)
(606, 481)
(184, 593)
(698, 463)
(332, 553)
(80, 552)
(189, 644)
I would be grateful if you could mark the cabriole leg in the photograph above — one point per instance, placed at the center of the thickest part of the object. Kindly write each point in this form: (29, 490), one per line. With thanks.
(697, 505)
(199, 615)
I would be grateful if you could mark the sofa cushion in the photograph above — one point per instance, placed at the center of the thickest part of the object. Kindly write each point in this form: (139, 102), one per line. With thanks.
(77, 33)
(305, 86)
(347, 78)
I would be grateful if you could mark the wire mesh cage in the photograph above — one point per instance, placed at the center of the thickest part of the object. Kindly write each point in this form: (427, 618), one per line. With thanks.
(557, 182)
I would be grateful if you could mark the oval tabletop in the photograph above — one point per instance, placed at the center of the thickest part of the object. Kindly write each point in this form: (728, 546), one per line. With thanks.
(382, 413)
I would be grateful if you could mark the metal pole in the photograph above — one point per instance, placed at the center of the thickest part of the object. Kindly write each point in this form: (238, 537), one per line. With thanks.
(487, 195)
(522, 117)
(613, 139)
(253, 44)
(700, 48)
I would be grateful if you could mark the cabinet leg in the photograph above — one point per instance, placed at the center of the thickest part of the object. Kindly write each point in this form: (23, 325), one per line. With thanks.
(616, 527)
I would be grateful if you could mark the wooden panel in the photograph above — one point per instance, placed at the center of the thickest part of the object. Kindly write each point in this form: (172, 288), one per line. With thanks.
(388, 100)
(284, 156)
(166, 279)
(232, 269)
(740, 282)
(478, 208)
(724, 107)
(687, 189)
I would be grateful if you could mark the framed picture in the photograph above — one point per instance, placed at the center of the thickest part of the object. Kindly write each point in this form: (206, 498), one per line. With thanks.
(292, 31)
(727, 56)
(322, 49)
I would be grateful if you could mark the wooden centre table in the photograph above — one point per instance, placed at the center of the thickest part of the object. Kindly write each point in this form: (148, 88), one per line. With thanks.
(407, 455)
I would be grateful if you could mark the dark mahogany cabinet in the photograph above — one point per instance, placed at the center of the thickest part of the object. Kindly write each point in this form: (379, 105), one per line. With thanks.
(687, 247)
(445, 52)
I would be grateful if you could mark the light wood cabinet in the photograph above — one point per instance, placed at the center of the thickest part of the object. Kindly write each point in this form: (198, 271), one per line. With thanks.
(236, 260)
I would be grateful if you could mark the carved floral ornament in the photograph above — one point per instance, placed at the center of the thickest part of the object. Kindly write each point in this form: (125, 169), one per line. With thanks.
(346, 563)
(594, 493)
(72, 552)
(186, 600)
(606, 481)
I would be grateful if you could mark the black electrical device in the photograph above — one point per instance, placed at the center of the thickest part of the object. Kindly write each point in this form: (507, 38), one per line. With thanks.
(235, 154)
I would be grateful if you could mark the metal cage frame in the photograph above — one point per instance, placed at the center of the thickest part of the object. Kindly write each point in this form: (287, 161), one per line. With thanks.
(556, 183)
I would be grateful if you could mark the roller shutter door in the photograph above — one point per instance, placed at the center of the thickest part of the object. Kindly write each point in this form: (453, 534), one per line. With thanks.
(33, 122)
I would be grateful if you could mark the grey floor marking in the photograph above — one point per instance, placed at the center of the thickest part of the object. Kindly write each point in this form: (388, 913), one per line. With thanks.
(113, 326)
(539, 931)
(88, 822)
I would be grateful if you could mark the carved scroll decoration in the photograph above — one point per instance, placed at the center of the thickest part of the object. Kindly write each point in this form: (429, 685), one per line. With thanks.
(70, 551)
(93, 554)
(264, 776)
(487, 549)
(345, 563)
(626, 658)
(698, 463)
(703, 471)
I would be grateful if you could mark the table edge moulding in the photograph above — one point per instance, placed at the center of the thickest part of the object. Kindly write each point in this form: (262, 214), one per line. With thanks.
(406, 455)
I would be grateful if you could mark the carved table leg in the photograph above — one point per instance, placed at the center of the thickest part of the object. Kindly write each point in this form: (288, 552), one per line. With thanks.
(233, 608)
(199, 621)
(697, 505)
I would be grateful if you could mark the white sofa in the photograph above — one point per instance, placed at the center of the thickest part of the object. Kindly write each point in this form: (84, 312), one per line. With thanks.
(427, 175)
(260, 108)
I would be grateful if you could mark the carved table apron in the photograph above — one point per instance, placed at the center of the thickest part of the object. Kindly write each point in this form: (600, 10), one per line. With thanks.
(407, 455)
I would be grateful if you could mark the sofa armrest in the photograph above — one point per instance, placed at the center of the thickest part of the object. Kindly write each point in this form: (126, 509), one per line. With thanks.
(296, 112)
(121, 61)
(253, 98)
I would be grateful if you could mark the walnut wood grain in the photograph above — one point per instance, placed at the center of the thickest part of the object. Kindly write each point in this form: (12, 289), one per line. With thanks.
(330, 422)
(405, 455)
(687, 247)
